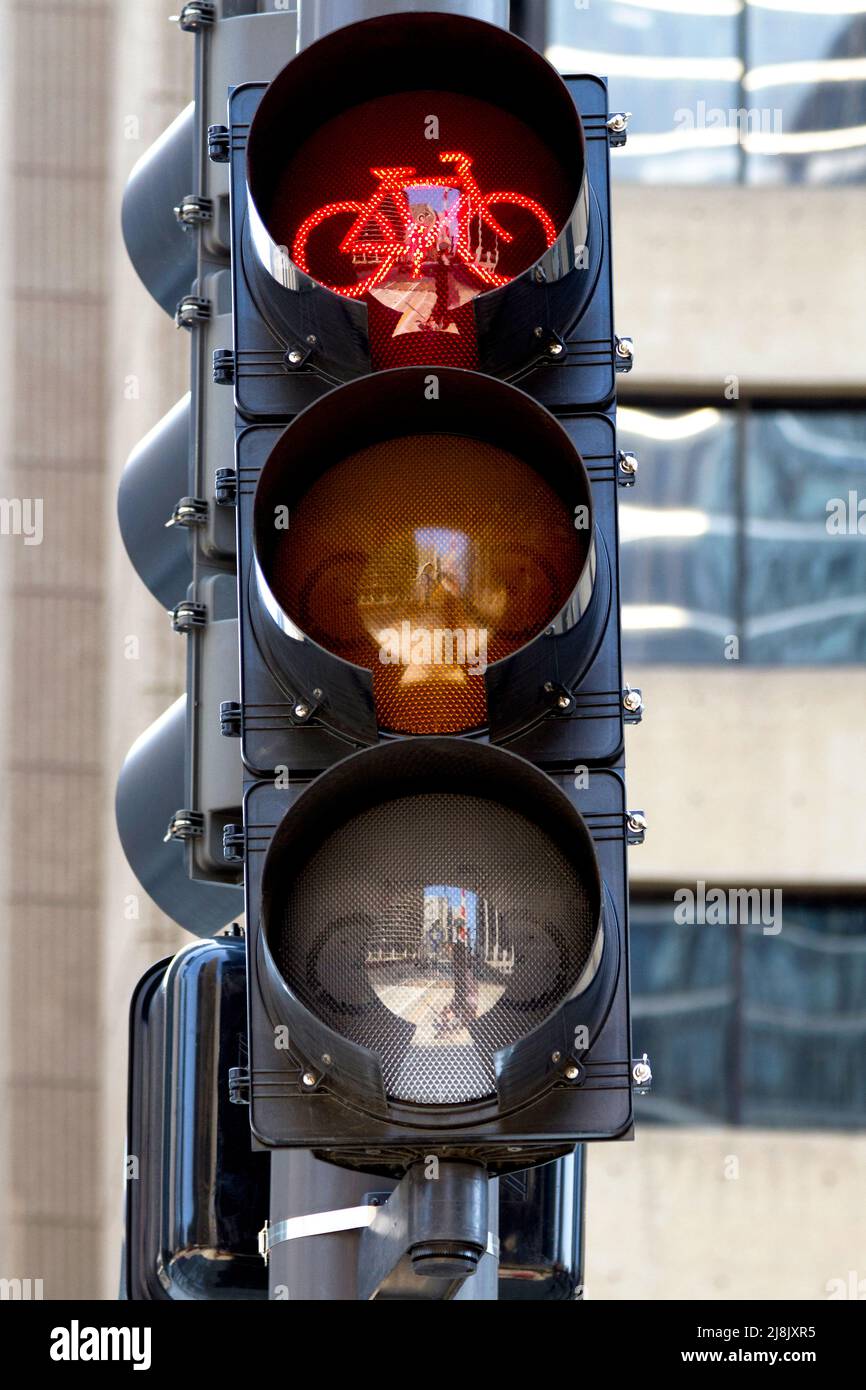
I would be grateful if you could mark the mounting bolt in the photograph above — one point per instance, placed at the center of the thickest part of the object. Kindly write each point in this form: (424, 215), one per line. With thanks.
(302, 711)
(632, 700)
(571, 1072)
(309, 1079)
(628, 466)
(556, 1056)
(642, 1073)
(295, 357)
(556, 349)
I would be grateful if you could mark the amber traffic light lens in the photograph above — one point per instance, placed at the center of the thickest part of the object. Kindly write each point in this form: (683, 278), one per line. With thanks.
(425, 559)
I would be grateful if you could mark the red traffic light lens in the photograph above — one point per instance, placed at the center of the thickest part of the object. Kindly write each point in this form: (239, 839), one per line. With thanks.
(415, 163)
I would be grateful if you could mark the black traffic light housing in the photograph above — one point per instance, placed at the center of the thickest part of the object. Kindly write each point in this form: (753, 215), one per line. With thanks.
(312, 744)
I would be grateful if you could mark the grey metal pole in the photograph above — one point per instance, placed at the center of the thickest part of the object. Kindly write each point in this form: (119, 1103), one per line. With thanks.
(325, 1267)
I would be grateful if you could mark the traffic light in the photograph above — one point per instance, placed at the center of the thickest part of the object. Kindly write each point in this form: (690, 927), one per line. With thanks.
(195, 1195)
(392, 550)
(181, 783)
(432, 705)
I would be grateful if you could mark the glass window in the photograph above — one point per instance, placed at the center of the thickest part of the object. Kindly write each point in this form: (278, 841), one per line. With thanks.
(752, 1028)
(747, 522)
(805, 559)
(805, 91)
(720, 90)
(672, 65)
(678, 542)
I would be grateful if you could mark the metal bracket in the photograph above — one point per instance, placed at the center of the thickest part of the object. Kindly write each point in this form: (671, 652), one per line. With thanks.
(193, 211)
(225, 484)
(626, 468)
(632, 704)
(187, 615)
(223, 367)
(296, 356)
(320, 1223)
(233, 843)
(623, 359)
(218, 144)
(433, 1225)
(189, 511)
(617, 128)
(239, 1085)
(636, 827)
(184, 825)
(641, 1075)
(561, 700)
(192, 310)
(196, 15)
(231, 715)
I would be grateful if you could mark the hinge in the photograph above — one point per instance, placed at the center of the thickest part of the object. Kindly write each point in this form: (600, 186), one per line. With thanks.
(187, 615)
(225, 484)
(223, 367)
(233, 843)
(191, 310)
(239, 1085)
(218, 144)
(230, 718)
(185, 825)
(617, 128)
(189, 511)
(192, 211)
(195, 15)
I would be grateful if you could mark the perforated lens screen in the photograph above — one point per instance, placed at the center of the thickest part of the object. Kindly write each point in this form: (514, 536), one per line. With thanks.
(417, 202)
(425, 559)
(435, 929)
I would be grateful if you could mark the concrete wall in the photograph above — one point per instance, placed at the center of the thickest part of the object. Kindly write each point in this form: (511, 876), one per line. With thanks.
(730, 1213)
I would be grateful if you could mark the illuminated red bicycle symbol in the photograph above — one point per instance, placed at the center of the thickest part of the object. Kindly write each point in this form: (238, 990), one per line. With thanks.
(392, 232)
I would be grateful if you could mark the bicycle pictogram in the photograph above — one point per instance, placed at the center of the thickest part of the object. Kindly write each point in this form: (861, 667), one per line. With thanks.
(418, 227)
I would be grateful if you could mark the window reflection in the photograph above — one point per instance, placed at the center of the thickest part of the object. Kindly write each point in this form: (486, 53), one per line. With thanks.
(720, 90)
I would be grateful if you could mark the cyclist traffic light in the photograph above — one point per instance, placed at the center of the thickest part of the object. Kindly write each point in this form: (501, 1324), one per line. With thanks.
(432, 705)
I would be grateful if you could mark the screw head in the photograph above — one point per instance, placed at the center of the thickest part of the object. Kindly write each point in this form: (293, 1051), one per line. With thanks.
(637, 821)
(556, 349)
(308, 1079)
(632, 701)
(312, 339)
(625, 347)
(556, 1056)
(571, 1072)
(326, 1059)
(563, 701)
(628, 463)
(295, 357)
(301, 711)
(642, 1072)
